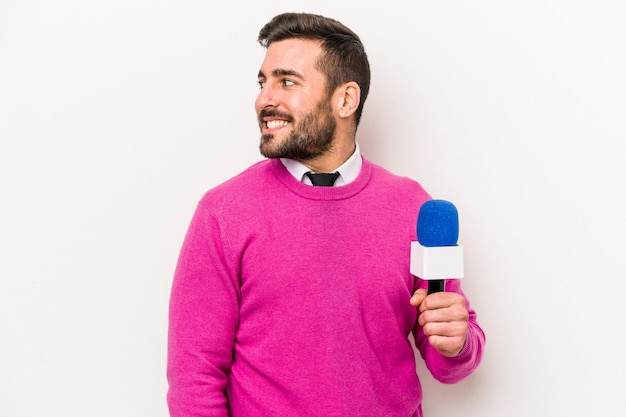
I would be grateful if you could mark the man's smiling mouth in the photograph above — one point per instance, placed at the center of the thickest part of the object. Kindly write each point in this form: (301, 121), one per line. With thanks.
(275, 124)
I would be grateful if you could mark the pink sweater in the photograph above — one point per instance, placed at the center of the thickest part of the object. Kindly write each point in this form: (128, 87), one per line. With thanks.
(292, 300)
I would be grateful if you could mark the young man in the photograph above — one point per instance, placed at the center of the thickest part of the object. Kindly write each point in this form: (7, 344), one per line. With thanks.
(296, 300)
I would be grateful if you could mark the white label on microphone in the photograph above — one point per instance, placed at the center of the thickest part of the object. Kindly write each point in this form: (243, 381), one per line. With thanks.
(436, 262)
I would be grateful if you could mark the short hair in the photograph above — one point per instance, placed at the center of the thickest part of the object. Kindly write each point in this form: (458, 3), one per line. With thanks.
(343, 56)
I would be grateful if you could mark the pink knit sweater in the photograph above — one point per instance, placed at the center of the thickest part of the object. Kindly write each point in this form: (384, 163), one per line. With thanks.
(291, 300)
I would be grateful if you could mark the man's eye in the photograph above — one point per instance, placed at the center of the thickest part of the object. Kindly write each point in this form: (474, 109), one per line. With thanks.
(288, 83)
(261, 84)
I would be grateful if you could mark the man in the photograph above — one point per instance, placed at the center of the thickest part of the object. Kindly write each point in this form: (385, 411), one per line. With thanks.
(296, 300)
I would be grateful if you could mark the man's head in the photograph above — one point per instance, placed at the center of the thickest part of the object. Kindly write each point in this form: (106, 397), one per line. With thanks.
(314, 80)
(343, 57)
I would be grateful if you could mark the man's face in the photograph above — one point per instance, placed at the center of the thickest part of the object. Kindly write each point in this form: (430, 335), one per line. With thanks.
(295, 114)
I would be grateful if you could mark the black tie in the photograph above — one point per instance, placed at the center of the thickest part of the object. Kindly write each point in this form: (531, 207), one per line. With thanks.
(324, 180)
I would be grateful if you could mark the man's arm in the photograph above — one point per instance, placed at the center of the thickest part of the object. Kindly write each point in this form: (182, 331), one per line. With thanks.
(203, 318)
(447, 334)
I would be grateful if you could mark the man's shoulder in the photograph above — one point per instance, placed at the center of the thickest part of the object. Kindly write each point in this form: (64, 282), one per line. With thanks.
(395, 182)
(241, 185)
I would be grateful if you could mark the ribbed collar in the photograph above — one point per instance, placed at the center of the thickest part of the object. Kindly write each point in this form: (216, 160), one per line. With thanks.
(322, 193)
(348, 171)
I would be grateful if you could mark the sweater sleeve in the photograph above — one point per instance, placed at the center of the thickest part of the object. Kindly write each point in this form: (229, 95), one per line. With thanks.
(455, 369)
(203, 317)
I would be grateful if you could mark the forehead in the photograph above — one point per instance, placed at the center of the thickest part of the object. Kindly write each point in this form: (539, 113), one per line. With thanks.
(298, 55)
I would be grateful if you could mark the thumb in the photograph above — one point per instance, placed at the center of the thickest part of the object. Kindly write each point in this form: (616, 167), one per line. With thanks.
(418, 297)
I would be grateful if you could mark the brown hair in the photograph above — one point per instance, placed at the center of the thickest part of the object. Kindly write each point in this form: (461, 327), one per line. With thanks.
(343, 58)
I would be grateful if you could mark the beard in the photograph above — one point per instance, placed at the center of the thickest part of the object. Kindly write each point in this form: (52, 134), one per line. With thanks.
(310, 138)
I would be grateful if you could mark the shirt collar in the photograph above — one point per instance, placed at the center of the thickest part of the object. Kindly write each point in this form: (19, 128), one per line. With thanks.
(348, 171)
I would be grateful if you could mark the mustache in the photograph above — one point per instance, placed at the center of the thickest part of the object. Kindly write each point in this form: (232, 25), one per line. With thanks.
(274, 113)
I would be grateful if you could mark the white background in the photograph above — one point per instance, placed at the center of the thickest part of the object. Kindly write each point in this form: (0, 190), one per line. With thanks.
(115, 117)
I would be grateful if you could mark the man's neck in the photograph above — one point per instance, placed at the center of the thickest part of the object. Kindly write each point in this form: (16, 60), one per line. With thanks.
(348, 171)
(332, 159)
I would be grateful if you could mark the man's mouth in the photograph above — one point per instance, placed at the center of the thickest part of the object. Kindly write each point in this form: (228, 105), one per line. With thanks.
(273, 119)
(275, 124)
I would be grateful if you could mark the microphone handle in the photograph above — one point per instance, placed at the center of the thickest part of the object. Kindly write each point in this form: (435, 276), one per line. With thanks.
(436, 285)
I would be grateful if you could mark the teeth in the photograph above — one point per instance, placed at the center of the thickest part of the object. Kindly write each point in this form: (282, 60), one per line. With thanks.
(273, 124)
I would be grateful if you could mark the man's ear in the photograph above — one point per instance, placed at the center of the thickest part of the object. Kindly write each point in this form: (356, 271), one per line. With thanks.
(349, 97)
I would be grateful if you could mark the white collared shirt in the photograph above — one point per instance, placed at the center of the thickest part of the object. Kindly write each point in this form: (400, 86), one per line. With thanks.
(348, 171)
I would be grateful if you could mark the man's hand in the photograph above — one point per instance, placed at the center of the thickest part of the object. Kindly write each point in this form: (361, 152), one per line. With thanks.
(443, 316)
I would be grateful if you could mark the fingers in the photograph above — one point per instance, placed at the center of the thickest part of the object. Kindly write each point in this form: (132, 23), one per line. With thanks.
(445, 329)
(447, 337)
(432, 312)
(447, 346)
(418, 297)
(441, 300)
(443, 317)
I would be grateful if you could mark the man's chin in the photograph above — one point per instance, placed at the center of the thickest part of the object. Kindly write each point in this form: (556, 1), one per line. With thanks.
(268, 149)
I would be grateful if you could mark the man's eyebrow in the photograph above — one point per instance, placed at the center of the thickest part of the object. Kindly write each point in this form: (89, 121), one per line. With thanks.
(281, 72)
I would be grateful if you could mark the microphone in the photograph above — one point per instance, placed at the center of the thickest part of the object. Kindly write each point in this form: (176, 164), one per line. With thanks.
(436, 256)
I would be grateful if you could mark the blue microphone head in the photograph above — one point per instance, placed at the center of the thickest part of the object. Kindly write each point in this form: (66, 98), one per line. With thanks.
(438, 224)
